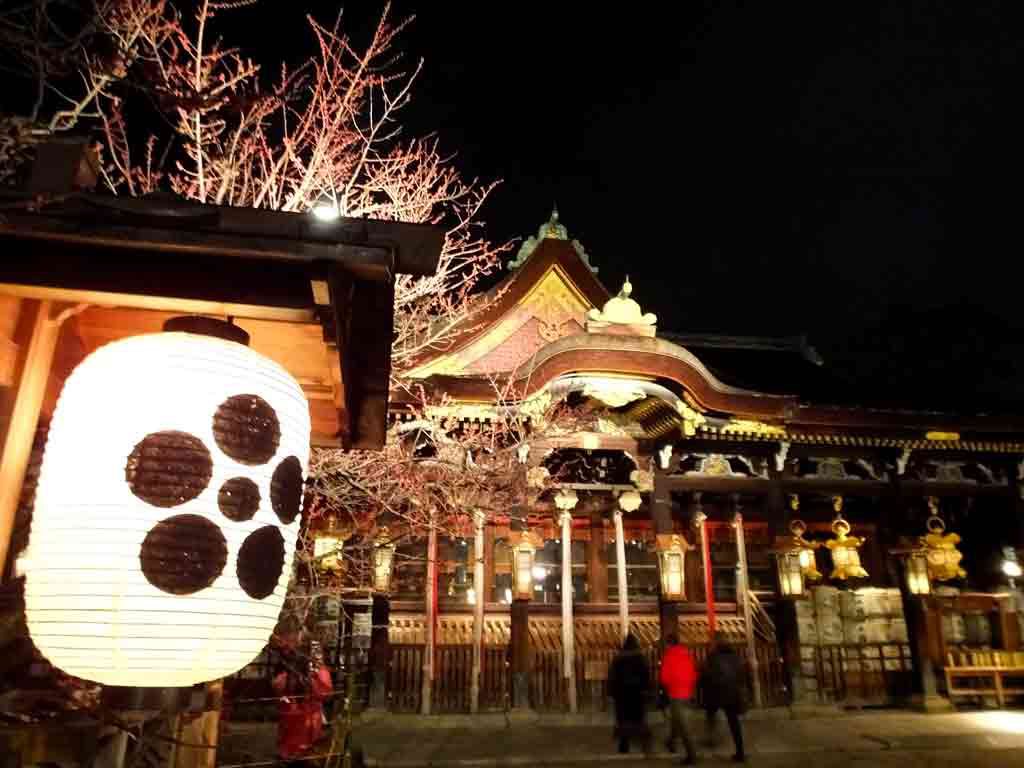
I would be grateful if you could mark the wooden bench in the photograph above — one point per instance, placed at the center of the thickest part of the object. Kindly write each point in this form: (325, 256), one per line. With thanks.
(992, 669)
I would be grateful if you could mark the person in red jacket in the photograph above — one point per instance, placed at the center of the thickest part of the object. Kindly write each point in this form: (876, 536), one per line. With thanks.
(302, 685)
(679, 679)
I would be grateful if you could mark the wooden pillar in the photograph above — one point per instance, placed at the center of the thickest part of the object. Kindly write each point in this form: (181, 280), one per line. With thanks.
(21, 429)
(487, 595)
(597, 560)
(380, 650)
(743, 595)
(920, 627)
(661, 517)
(430, 593)
(478, 610)
(924, 629)
(700, 521)
(620, 574)
(203, 731)
(520, 653)
(568, 630)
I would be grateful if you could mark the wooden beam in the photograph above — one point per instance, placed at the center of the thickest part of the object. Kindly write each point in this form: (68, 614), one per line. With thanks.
(8, 361)
(683, 483)
(160, 303)
(591, 441)
(21, 428)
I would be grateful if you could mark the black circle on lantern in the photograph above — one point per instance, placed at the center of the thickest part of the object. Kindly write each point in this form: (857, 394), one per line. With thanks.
(238, 499)
(183, 554)
(168, 468)
(260, 561)
(286, 489)
(207, 326)
(246, 429)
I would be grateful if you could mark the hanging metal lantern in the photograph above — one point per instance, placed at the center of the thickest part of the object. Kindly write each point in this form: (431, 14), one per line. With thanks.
(671, 550)
(940, 547)
(383, 562)
(845, 557)
(167, 509)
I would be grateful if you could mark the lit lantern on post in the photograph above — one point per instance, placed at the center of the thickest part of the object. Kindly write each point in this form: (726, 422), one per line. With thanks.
(845, 557)
(791, 575)
(802, 546)
(940, 547)
(918, 580)
(671, 549)
(522, 567)
(167, 509)
(1011, 566)
(383, 562)
(327, 546)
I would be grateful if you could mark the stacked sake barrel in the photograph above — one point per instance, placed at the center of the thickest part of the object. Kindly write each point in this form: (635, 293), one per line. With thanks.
(972, 629)
(872, 616)
(847, 638)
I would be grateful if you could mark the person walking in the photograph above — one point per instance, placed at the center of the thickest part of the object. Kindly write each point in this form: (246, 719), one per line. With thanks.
(628, 684)
(302, 685)
(721, 687)
(679, 679)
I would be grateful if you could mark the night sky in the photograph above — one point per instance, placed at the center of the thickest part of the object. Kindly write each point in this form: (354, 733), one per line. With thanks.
(846, 170)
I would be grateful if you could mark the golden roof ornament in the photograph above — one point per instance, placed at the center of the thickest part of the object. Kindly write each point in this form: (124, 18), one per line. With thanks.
(551, 229)
(941, 552)
(845, 557)
(621, 314)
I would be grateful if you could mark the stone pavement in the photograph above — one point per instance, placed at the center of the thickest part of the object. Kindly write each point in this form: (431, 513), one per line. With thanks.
(907, 740)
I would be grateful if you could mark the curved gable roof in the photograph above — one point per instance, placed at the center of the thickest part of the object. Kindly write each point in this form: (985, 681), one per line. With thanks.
(552, 259)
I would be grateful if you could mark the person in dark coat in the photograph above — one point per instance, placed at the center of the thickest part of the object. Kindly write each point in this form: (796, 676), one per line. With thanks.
(629, 681)
(721, 685)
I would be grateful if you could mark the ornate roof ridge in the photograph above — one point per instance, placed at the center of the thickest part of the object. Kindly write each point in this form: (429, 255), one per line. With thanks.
(550, 229)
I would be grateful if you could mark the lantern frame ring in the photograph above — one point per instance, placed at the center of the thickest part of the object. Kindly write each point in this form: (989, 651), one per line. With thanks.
(840, 527)
(935, 524)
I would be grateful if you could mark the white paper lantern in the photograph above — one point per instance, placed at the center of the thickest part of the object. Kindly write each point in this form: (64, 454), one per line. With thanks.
(166, 512)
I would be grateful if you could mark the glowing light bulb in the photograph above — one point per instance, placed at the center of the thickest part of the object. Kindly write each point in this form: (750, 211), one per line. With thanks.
(326, 212)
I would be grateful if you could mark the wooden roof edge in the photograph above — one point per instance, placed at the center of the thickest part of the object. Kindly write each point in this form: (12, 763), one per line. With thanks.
(414, 248)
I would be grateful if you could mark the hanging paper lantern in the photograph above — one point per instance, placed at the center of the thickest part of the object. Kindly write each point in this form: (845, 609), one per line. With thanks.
(167, 511)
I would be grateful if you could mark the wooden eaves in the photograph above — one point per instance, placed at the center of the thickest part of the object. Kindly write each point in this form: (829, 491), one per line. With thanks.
(172, 255)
